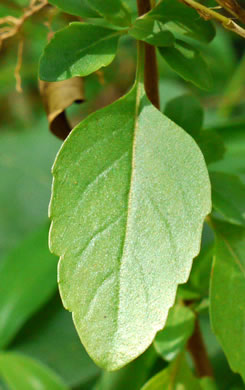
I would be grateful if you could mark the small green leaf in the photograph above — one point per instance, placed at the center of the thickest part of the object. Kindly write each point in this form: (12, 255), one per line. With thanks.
(28, 278)
(177, 376)
(23, 373)
(178, 329)
(138, 192)
(186, 112)
(76, 7)
(201, 271)
(113, 11)
(186, 61)
(152, 32)
(181, 18)
(211, 145)
(227, 306)
(78, 50)
(233, 136)
(228, 197)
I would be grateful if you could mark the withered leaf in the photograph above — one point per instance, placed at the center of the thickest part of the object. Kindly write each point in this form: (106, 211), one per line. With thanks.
(57, 97)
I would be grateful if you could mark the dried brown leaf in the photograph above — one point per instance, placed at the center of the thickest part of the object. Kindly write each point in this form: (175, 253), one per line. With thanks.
(57, 97)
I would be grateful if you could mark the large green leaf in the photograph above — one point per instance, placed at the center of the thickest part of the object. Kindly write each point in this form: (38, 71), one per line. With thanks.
(130, 194)
(177, 376)
(78, 50)
(178, 329)
(54, 341)
(187, 62)
(181, 18)
(227, 306)
(228, 197)
(28, 278)
(23, 373)
(113, 11)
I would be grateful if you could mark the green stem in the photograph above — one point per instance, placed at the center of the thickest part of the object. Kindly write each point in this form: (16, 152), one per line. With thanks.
(208, 13)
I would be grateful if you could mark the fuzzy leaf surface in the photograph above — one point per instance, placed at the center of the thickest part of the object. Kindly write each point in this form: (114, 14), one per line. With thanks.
(227, 300)
(78, 50)
(130, 194)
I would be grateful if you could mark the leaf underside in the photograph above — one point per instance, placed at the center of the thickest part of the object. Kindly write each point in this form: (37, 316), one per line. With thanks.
(130, 194)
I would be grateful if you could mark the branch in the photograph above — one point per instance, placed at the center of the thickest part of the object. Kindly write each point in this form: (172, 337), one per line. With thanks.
(18, 66)
(233, 8)
(151, 71)
(12, 26)
(207, 13)
(199, 354)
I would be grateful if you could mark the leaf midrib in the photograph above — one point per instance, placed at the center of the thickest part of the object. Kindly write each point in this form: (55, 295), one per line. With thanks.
(138, 87)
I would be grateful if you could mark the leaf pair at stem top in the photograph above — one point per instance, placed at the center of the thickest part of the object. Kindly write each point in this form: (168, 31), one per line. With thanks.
(82, 48)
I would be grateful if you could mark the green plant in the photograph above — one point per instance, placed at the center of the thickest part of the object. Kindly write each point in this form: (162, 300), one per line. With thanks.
(132, 189)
